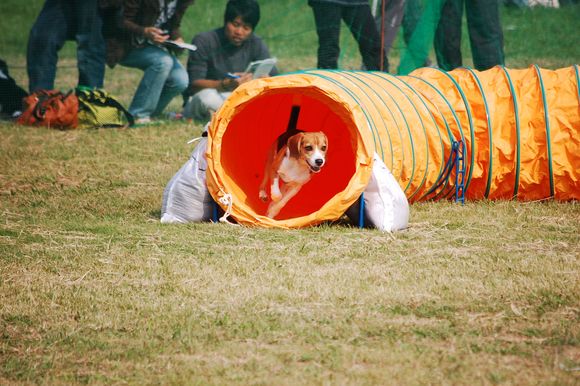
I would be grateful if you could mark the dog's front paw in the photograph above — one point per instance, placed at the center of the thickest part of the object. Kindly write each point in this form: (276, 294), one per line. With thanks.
(276, 196)
(275, 193)
(263, 195)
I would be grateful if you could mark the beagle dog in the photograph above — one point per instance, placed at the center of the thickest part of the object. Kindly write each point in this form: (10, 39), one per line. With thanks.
(294, 157)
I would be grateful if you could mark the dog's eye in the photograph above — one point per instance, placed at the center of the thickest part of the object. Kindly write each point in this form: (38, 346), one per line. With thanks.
(323, 148)
(308, 148)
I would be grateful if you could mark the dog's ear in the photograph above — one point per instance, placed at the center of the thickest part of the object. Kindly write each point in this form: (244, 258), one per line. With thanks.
(294, 143)
(324, 140)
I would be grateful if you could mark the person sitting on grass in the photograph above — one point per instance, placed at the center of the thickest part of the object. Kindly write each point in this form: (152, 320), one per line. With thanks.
(222, 56)
(145, 26)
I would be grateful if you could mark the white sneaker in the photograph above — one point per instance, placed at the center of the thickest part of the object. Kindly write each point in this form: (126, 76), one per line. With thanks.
(143, 121)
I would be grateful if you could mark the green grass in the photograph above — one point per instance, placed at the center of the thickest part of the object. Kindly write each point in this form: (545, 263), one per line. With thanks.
(94, 290)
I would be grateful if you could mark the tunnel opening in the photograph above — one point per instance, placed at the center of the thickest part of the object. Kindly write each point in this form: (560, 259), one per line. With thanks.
(254, 128)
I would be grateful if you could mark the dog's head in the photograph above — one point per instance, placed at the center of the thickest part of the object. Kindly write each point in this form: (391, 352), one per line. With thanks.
(310, 147)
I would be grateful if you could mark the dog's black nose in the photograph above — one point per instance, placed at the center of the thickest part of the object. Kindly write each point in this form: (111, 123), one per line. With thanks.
(319, 161)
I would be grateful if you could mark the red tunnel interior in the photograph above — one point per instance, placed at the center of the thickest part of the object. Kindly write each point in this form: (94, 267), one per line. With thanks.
(256, 125)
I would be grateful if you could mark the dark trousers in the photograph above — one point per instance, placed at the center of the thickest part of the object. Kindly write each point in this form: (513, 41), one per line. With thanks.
(58, 21)
(360, 21)
(485, 34)
(389, 23)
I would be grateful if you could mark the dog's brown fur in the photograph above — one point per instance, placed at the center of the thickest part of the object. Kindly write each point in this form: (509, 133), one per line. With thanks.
(303, 154)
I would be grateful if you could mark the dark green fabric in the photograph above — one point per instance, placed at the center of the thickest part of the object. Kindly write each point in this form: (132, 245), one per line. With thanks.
(421, 36)
(439, 22)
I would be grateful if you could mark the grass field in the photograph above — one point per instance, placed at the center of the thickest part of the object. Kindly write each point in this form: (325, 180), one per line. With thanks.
(94, 290)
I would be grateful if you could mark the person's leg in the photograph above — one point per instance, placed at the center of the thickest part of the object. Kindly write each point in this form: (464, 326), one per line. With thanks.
(359, 20)
(448, 35)
(327, 18)
(176, 83)
(389, 24)
(90, 43)
(203, 103)
(47, 37)
(156, 64)
(485, 33)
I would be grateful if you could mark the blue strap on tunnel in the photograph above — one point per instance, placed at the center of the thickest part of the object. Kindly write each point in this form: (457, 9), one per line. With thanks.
(361, 213)
(456, 160)
(214, 211)
(459, 151)
(469, 118)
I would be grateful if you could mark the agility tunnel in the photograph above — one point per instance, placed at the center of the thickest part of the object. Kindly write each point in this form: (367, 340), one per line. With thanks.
(516, 134)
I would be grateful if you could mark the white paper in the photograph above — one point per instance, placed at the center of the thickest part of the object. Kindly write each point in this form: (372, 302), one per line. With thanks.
(187, 46)
(261, 68)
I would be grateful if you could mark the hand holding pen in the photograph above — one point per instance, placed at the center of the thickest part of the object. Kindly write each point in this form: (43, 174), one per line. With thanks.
(233, 80)
(156, 35)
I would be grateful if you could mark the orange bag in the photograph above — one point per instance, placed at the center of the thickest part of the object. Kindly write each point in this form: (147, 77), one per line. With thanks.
(50, 108)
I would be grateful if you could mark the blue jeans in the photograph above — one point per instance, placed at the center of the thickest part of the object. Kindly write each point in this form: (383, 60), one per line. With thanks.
(58, 21)
(163, 79)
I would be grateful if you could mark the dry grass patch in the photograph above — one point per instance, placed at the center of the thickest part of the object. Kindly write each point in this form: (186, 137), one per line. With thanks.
(94, 290)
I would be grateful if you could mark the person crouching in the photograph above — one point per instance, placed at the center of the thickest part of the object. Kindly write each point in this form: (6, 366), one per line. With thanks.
(138, 42)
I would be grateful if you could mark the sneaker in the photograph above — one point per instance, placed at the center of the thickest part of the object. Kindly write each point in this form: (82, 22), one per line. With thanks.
(143, 121)
(173, 116)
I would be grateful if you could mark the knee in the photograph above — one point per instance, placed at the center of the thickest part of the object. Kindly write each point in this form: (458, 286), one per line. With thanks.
(163, 64)
(209, 98)
(181, 80)
(201, 104)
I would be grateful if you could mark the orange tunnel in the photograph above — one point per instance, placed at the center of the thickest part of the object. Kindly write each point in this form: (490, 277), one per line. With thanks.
(520, 129)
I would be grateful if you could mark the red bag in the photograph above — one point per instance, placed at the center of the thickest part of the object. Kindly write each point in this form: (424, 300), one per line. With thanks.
(50, 108)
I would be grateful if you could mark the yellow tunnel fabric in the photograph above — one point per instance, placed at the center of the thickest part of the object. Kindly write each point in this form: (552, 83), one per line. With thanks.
(520, 129)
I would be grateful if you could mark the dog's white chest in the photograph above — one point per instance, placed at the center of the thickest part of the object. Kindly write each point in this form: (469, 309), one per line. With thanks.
(291, 170)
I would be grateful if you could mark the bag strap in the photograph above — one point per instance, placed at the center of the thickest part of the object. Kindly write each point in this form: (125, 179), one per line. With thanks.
(115, 103)
(99, 96)
(39, 110)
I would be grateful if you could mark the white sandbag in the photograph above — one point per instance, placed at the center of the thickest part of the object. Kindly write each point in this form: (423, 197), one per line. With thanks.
(186, 198)
(386, 206)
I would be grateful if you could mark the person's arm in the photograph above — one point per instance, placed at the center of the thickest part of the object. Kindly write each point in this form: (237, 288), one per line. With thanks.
(130, 12)
(199, 62)
(131, 24)
(175, 22)
(223, 85)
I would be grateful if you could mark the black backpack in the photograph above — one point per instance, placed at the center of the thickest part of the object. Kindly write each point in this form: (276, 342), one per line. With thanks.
(11, 95)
